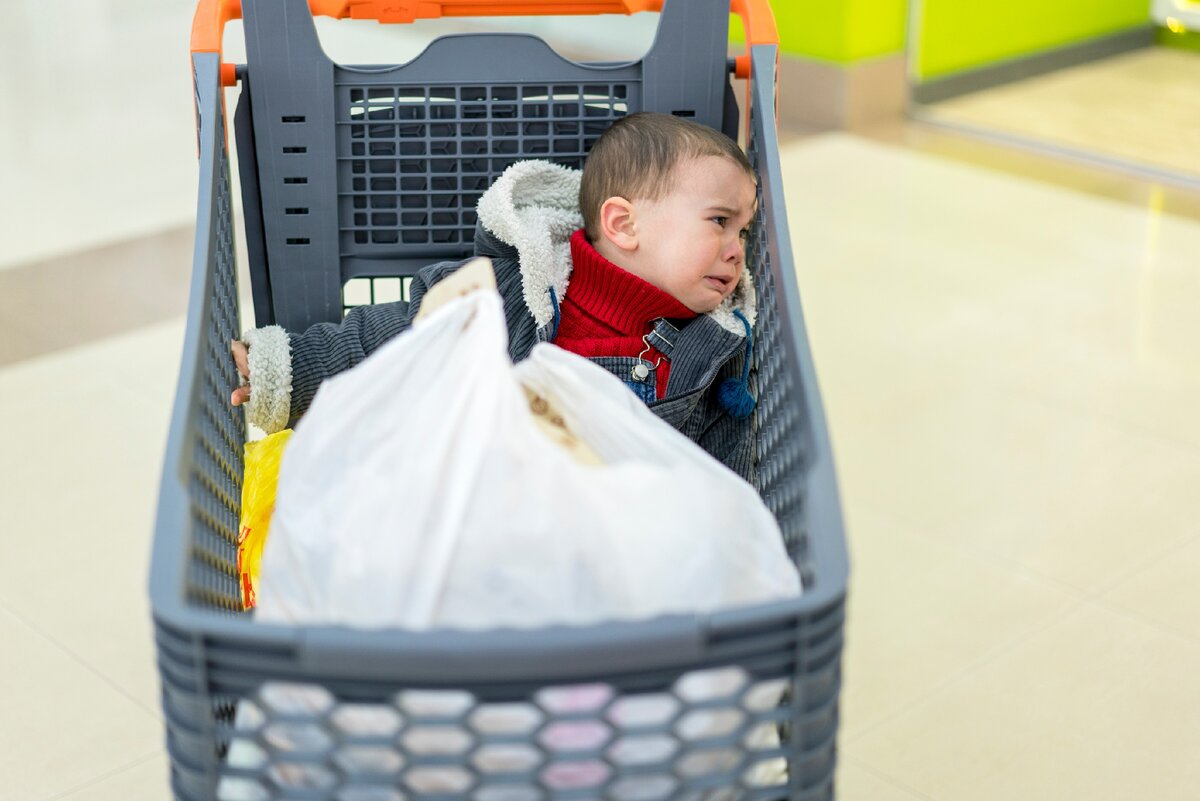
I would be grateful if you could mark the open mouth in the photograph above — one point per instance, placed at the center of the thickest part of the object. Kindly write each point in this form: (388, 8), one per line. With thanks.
(719, 283)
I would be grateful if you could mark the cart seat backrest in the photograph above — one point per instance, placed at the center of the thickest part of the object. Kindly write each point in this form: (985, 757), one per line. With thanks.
(368, 171)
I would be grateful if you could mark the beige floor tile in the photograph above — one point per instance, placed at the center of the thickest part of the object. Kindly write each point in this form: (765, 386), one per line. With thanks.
(83, 498)
(1096, 706)
(1110, 335)
(921, 612)
(899, 248)
(63, 725)
(856, 783)
(85, 530)
(1141, 106)
(1036, 166)
(81, 411)
(1003, 362)
(17, 341)
(80, 298)
(148, 362)
(138, 366)
(148, 780)
(1164, 592)
(1074, 499)
(943, 274)
(98, 450)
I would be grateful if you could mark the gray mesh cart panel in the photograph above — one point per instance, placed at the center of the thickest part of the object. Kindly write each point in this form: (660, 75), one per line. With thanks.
(679, 707)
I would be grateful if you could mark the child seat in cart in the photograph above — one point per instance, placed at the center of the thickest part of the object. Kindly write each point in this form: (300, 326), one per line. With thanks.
(369, 172)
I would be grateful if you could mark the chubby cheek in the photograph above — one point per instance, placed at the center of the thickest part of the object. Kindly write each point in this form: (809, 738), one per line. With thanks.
(705, 253)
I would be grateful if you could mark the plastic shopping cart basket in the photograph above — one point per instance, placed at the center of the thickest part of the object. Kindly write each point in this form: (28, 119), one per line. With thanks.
(365, 173)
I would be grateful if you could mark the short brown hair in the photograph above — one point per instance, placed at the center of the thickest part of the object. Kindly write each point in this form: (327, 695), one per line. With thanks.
(636, 156)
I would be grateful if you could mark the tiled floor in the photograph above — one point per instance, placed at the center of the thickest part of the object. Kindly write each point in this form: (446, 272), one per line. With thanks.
(1141, 107)
(1008, 355)
(1007, 367)
(80, 451)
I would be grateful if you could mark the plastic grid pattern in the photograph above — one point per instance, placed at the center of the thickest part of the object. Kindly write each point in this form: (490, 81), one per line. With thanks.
(414, 160)
(700, 737)
(777, 421)
(216, 470)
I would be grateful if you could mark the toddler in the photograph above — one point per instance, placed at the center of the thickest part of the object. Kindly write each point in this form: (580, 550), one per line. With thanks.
(637, 263)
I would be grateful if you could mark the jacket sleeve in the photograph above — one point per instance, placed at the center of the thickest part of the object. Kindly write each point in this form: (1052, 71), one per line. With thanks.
(286, 369)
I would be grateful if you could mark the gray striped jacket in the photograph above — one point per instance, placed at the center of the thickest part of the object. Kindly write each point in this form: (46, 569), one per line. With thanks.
(525, 221)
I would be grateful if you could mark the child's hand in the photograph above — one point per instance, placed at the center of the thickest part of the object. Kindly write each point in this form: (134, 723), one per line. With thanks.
(241, 357)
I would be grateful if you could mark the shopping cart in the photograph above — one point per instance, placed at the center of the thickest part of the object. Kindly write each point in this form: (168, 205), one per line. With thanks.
(366, 173)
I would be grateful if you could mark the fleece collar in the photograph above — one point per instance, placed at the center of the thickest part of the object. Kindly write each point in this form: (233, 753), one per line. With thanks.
(534, 207)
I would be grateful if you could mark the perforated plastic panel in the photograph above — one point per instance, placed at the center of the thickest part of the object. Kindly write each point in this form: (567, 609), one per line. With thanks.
(219, 431)
(414, 160)
(780, 441)
(717, 728)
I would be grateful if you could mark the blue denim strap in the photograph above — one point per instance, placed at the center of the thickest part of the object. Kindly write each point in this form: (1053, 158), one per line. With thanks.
(663, 337)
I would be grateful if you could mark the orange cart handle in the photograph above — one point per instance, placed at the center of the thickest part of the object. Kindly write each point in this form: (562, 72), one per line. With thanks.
(208, 26)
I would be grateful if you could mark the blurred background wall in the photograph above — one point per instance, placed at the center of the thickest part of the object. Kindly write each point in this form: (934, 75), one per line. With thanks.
(954, 36)
(1111, 82)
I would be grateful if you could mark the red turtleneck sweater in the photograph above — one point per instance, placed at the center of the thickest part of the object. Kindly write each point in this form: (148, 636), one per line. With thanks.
(607, 310)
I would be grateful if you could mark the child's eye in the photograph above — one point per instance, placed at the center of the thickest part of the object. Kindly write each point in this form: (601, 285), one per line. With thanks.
(720, 220)
(744, 234)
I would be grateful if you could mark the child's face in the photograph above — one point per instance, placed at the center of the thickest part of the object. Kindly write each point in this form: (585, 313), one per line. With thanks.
(691, 243)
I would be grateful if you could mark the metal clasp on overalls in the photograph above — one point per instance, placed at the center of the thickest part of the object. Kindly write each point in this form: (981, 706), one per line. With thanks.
(640, 371)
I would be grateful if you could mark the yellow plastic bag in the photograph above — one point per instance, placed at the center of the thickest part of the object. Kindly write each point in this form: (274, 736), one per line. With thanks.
(258, 503)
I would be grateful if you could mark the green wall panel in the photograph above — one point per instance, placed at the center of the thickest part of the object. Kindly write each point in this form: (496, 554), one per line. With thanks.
(875, 28)
(811, 28)
(958, 35)
(841, 31)
(955, 35)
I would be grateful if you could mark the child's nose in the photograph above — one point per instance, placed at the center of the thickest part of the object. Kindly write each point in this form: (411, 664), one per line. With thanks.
(733, 250)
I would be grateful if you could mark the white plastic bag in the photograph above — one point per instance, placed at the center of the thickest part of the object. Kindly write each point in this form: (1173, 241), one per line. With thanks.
(419, 492)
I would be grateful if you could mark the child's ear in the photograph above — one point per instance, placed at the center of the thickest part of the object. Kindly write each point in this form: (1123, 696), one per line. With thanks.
(617, 223)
